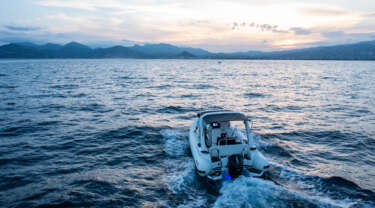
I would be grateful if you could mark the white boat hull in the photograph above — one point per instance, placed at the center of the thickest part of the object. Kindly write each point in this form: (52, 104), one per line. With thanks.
(254, 164)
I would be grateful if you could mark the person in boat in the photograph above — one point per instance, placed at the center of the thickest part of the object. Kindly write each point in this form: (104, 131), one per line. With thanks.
(226, 134)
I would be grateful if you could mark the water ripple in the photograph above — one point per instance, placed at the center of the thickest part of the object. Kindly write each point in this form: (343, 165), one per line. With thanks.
(114, 133)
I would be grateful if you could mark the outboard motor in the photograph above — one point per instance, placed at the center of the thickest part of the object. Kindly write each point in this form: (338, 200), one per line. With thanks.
(235, 165)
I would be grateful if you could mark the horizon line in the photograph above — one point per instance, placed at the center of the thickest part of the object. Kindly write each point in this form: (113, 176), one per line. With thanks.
(24, 43)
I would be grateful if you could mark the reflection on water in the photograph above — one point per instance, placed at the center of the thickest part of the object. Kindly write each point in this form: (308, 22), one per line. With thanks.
(77, 133)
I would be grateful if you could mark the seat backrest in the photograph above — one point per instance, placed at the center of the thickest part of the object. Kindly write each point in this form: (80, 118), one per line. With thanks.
(215, 134)
(226, 128)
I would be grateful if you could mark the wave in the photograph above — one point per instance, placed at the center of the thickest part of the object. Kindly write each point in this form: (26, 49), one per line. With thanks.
(254, 95)
(176, 109)
(176, 142)
(255, 192)
(65, 86)
(8, 87)
(282, 187)
(181, 178)
(331, 191)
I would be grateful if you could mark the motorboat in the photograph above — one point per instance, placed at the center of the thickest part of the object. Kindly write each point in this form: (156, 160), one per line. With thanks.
(223, 147)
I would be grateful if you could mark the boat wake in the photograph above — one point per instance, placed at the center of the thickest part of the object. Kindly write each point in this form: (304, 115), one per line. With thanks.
(182, 182)
(286, 186)
(255, 192)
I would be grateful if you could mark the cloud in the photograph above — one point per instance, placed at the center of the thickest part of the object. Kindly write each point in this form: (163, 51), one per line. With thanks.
(194, 22)
(119, 6)
(266, 27)
(300, 31)
(234, 25)
(234, 45)
(88, 28)
(271, 28)
(341, 35)
(369, 15)
(280, 31)
(42, 37)
(323, 12)
(10, 37)
(333, 34)
(131, 42)
(199, 27)
(19, 28)
(69, 4)
(260, 27)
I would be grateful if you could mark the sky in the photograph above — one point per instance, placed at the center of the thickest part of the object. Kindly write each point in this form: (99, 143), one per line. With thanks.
(214, 25)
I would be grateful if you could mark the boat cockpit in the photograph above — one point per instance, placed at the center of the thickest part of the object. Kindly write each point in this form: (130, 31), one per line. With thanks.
(221, 133)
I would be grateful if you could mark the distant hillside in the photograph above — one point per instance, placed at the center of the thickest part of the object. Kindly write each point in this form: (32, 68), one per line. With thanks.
(357, 51)
(21, 51)
(163, 49)
(118, 52)
(77, 50)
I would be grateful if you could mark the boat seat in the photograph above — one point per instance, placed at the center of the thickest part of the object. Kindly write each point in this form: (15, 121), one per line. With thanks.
(228, 129)
(222, 139)
(215, 135)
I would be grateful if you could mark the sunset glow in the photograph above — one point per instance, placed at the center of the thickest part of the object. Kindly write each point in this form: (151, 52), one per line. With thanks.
(219, 26)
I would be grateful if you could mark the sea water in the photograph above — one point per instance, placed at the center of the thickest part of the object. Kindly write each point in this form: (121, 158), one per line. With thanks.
(114, 132)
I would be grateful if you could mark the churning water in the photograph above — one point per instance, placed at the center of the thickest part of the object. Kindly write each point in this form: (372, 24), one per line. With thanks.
(113, 133)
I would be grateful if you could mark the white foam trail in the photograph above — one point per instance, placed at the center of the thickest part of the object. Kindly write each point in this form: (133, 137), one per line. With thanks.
(195, 202)
(300, 181)
(261, 143)
(254, 192)
(181, 178)
(182, 175)
(176, 142)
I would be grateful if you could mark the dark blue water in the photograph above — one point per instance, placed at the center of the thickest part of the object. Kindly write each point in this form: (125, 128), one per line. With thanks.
(113, 133)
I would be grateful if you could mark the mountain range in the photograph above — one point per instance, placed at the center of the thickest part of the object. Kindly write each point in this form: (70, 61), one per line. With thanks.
(356, 51)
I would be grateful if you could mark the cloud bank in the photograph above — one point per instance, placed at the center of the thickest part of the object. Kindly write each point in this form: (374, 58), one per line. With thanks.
(18, 28)
(216, 25)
